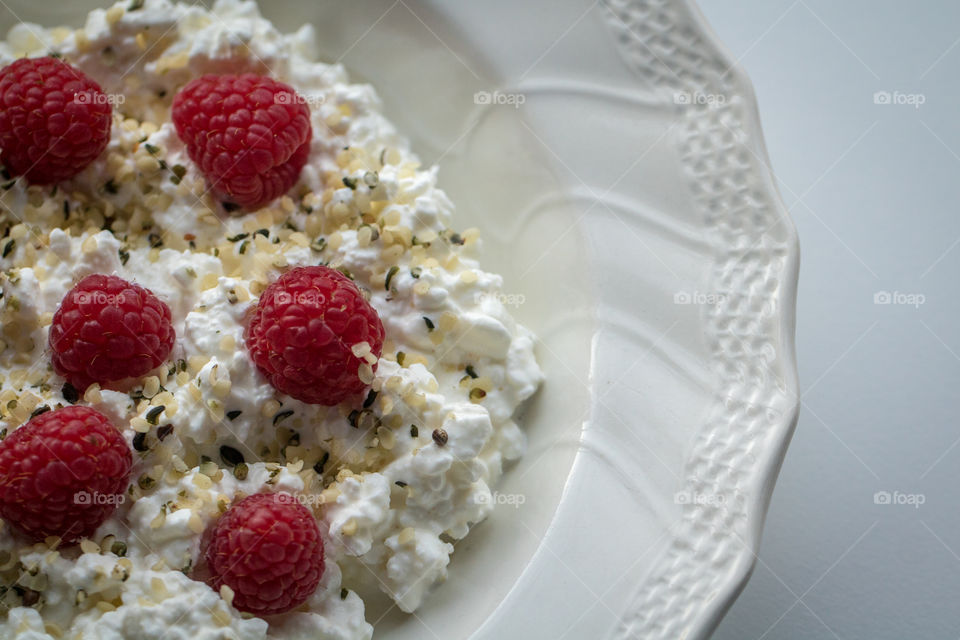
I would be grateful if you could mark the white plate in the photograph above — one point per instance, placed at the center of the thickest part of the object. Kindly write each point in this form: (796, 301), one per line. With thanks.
(630, 203)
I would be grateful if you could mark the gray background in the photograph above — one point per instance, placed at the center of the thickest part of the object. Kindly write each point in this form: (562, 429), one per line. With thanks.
(873, 190)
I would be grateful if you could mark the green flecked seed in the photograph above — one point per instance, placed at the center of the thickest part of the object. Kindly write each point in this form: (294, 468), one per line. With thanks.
(321, 463)
(41, 409)
(70, 393)
(240, 471)
(392, 272)
(140, 442)
(231, 456)
(154, 414)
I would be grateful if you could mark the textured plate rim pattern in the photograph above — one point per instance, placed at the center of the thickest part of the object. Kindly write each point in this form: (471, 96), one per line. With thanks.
(712, 553)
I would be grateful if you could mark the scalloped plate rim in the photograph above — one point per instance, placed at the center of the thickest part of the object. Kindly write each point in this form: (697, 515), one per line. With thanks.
(715, 611)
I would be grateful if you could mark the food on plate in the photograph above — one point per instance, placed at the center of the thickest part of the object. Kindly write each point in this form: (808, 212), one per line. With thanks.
(248, 367)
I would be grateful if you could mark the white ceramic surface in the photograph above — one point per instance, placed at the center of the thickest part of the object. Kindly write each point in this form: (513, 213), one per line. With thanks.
(630, 202)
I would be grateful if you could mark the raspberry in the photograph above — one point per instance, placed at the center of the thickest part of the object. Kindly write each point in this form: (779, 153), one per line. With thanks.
(54, 120)
(108, 329)
(303, 330)
(63, 473)
(249, 134)
(267, 548)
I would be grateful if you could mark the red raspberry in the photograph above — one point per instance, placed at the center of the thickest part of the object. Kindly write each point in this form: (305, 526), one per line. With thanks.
(249, 134)
(302, 332)
(63, 473)
(108, 329)
(54, 120)
(267, 548)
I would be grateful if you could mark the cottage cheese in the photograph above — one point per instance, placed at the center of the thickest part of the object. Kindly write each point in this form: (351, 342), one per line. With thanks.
(391, 502)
